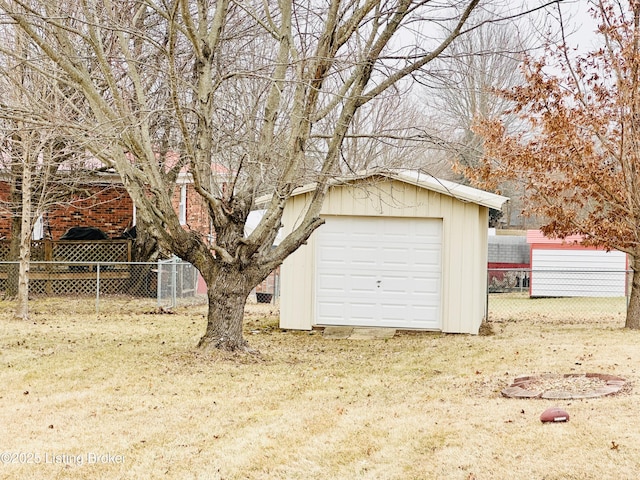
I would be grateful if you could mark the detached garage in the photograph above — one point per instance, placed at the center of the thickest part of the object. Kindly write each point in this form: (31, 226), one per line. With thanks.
(401, 250)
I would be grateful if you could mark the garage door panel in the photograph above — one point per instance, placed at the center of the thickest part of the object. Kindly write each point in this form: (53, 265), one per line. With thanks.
(393, 284)
(361, 311)
(426, 286)
(332, 254)
(379, 272)
(363, 233)
(363, 283)
(427, 265)
(394, 257)
(427, 258)
(427, 237)
(394, 312)
(421, 312)
(363, 257)
(331, 283)
(428, 253)
(392, 237)
(333, 311)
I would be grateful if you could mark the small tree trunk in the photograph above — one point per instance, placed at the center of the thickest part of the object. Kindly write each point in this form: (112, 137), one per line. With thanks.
(11, 291)
(22, 307)
(633, 309)
(227, 299)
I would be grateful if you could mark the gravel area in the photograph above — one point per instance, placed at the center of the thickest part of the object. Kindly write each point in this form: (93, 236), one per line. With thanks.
(551, 386)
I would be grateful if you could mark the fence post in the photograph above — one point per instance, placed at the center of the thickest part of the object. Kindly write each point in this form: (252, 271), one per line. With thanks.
(159, 284)
(48, 250)
(486, 300)
(48, 257)
(628, 278)
(97, 288)
(174, 281)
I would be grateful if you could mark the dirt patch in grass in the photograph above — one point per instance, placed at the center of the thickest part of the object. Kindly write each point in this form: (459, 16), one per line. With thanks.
(415, 406)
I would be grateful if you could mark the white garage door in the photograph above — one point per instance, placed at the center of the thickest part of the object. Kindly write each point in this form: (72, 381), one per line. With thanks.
(383, 272)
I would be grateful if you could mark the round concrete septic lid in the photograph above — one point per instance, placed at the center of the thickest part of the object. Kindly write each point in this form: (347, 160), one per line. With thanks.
(565, 387)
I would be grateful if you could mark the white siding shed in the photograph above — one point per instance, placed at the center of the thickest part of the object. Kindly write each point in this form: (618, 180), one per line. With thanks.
(398, 249)
(565, 268)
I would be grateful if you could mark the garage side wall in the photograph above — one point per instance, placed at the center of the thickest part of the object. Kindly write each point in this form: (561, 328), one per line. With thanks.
(464, 249)
(297, 280)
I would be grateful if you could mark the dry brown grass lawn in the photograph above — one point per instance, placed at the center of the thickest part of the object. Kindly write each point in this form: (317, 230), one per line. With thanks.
(417, 406)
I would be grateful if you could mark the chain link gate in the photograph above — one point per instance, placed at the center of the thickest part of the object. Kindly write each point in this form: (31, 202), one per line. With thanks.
(176, 280)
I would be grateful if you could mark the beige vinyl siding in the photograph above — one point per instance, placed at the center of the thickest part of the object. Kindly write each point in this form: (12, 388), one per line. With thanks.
(459, 272)
(297, 283)
(461, 300)
(481, 266)
(464, 244)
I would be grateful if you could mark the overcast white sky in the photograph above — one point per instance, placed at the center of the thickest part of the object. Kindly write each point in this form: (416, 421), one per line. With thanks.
(581, 25)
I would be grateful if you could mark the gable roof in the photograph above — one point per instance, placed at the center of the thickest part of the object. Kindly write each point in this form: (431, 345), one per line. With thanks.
(455, 190)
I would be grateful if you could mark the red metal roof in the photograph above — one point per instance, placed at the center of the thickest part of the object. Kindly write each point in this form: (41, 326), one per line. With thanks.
(536, 236)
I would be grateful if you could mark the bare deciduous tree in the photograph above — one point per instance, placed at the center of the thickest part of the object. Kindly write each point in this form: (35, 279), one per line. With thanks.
(34, 157)
(250, 85)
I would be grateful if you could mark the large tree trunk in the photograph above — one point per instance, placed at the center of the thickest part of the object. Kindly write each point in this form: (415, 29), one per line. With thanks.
(227, 295)
(633, 309)
(145, 250)
(145, 246)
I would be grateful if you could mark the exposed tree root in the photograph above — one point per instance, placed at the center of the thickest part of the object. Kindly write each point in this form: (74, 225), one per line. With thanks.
(227, 345)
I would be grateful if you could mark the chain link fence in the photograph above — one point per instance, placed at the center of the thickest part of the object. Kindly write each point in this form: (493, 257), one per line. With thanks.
(554, 295)
(167, 283)
(557, 295)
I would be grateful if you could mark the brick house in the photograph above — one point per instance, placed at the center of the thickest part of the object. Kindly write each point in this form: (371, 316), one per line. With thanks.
(105, 204)
(191, 208)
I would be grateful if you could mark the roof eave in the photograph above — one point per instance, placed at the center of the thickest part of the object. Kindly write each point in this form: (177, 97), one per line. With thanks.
(458, 191)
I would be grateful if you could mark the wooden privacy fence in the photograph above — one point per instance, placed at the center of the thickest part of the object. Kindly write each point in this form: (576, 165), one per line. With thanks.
(74, 251)
(75, 267)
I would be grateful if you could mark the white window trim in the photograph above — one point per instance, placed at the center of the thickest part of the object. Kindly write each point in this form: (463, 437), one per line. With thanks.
(182, 207)
(38, 229)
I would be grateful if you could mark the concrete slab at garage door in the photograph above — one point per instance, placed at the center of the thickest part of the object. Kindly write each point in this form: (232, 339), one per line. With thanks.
(379, 272)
